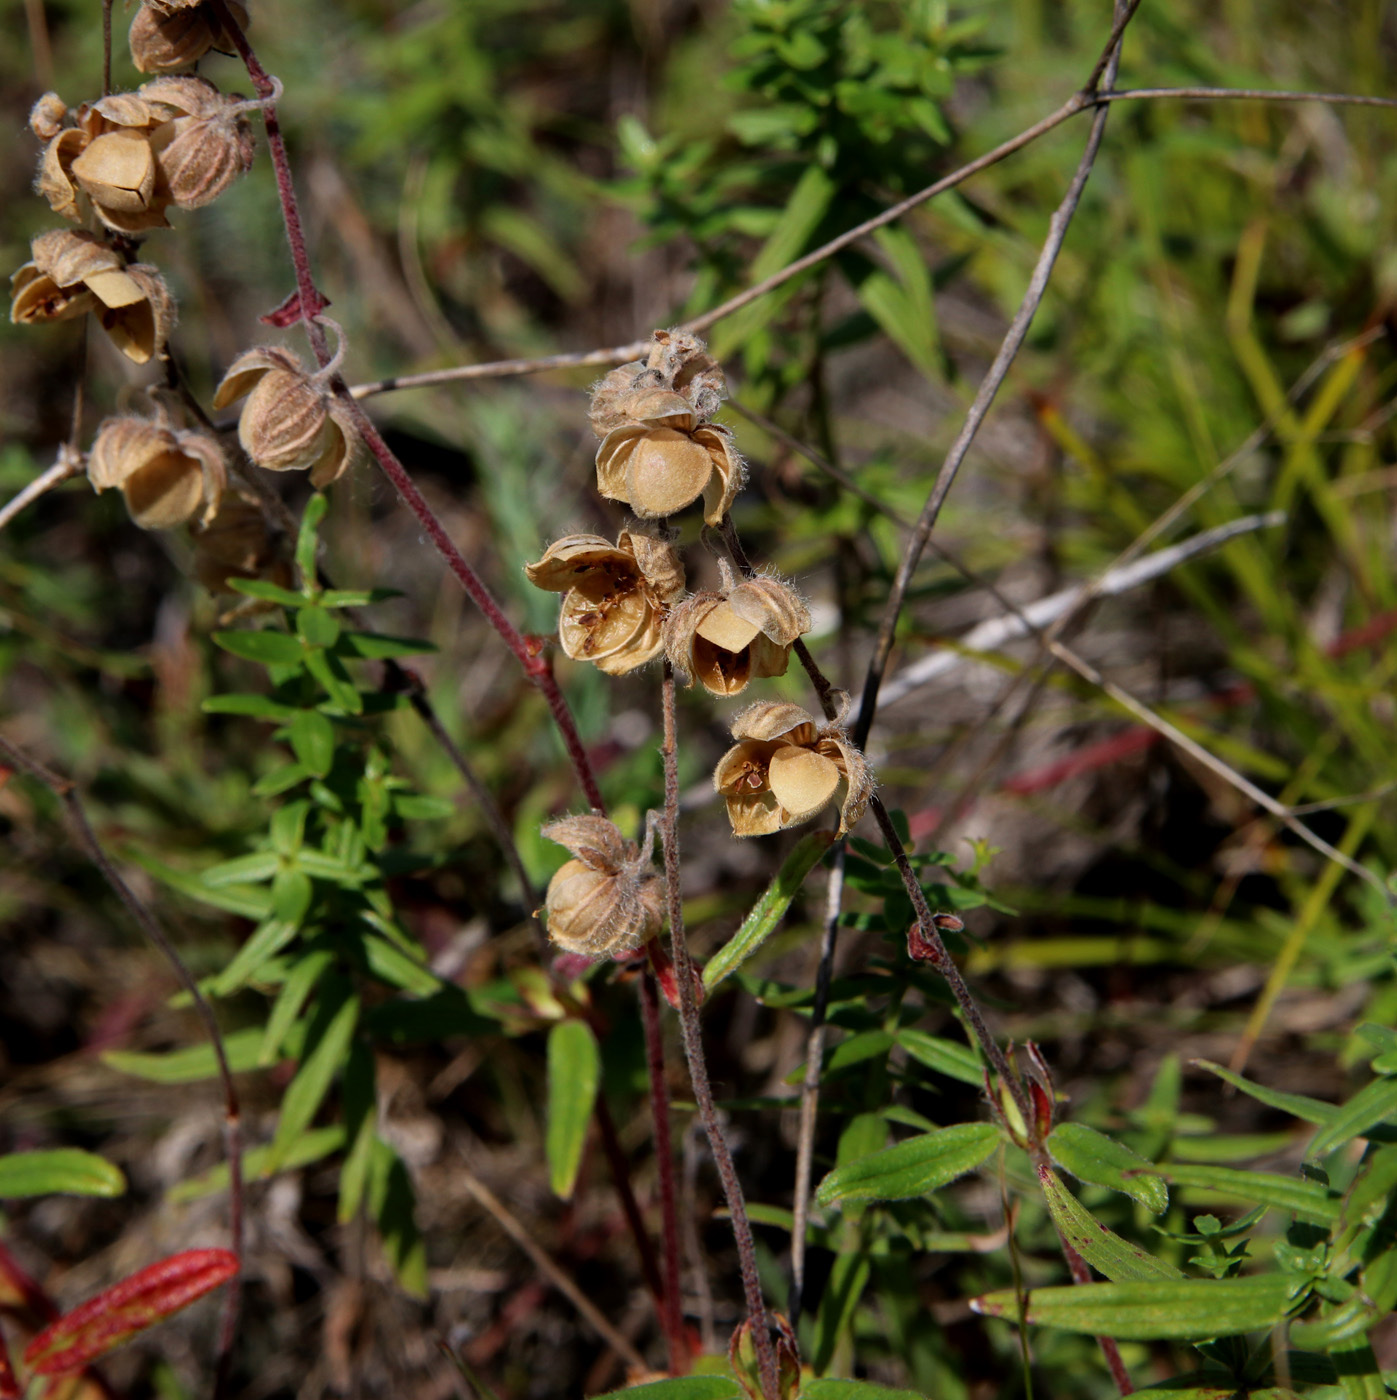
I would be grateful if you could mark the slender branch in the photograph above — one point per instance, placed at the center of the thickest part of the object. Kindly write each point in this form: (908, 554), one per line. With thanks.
(502, 369)
(550, 1269)
(810, 1085)
(68, 465)
(1216, 94)
(669, 1297)
(693, 1052)
(66, 792)
(1008, 351)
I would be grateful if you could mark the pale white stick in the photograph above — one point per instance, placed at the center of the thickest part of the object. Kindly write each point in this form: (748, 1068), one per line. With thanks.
(68, 464)
(991, 635)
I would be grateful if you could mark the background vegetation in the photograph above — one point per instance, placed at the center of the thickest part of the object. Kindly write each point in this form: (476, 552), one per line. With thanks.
(519, 177)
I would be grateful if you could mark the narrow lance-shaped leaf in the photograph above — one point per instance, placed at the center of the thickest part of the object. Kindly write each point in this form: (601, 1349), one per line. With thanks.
(1102, 1248)
(136, 1303)
(1182, 1309)
(769, 910)
(1307, 1199)
(574, 1071)
(912, 1168)
(1101, 1161)
(1297, 1105)
(66, 1171)
(1371, 1105)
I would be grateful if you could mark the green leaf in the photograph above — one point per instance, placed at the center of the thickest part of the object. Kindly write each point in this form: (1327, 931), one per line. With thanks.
(574, 1072)
(299, 984)
(246, 703)
(287, 775)
(416, 806)
(313, 741)
(391, 964)
(392, 1201)
(903, 306)
(681, 1388)
(266, 590)
(1307, 1199)
(915, 1167)
(249, 901)
(944, 1056)
(317, 627)
(1297, 1105)
(769, 910)
(1181, 1309)
(828, 1388)
(360, 1099)
(1101, 1161)
(375, 646)
(1103, 1249)
(838, 1303)
(249, 869)
(190, 1065)
(269, 648)
(329, 670)
(1371, 1105)
(64, 1171)
(356, 597)
(309, 1147)
(306, 541)
(327, 1046)
(448, 1012)
(268, 939)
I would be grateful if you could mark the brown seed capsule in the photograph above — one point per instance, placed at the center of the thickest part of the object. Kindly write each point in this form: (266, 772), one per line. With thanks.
(290, 421)
(237, 543)
(724, 640)
(167, 477)
(47, 116)
(167, 40)
(786, 768)
(615, 596)
(204, 141)
(608, 899)
(73, 271)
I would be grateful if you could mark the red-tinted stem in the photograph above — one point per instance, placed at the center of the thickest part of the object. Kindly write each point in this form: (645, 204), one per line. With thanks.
(630, 1207)
(672, 1309)
(536, 665)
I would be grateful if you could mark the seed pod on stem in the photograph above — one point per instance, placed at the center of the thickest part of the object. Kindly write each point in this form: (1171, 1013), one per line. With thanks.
(167, 477)
(608, 899)
(746, 631)
(788, 767)
(165, 40)
(615, 596)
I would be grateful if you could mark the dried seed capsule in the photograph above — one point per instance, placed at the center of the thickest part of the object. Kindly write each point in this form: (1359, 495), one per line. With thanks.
(786, 768)
(237, 543)
(290, 421)
(204, 141)
(47, 116)
(72, 272)
(167, 40)
(724, 640)
(608, 899)
(167, 477)
(615, 596)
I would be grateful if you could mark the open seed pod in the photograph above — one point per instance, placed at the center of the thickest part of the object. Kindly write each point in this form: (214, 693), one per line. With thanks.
(724, 640)
(615, 596)
(606, 900)
(73, 271)
(657, 466)
(167, 40)
(167, 477)
(290, 421)
(788, 767)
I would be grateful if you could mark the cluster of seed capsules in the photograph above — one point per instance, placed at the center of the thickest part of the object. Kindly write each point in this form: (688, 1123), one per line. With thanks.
(624, 604)
(114, 168)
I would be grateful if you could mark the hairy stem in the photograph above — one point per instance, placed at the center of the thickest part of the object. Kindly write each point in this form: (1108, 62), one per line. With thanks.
(671, 1306)
(67, 794)
(693, 1052)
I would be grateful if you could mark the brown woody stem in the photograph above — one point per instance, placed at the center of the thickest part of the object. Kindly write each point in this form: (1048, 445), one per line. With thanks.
(693, 1052)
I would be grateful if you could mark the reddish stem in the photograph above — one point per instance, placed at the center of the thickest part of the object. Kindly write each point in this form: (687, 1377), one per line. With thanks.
(672, 1311)
(529, 654)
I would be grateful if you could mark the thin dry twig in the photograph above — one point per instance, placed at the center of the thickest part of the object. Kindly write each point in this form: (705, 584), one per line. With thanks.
(66, 792)
(550, 1269)
(68, 465)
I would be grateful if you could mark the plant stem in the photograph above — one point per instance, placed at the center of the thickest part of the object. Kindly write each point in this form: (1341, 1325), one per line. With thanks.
(66, 792)
(671, 1307)
(693, 1052)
